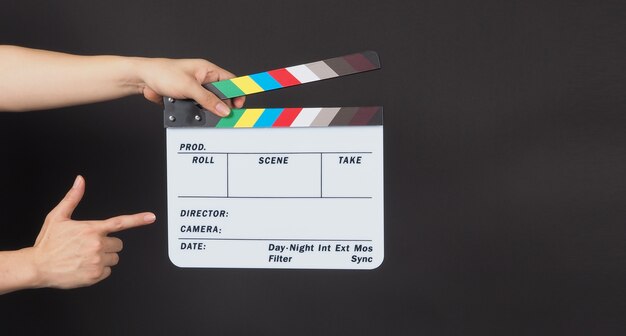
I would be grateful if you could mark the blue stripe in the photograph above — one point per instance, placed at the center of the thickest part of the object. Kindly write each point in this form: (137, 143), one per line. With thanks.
(266, 81)
(268, 117)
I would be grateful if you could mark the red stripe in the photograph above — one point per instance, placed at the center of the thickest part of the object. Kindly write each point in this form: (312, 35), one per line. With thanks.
(284, 77)
(287, 117)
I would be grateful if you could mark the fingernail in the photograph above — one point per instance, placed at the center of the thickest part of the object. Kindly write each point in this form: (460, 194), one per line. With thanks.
(222, 109)
(149, 218)
(76, 182)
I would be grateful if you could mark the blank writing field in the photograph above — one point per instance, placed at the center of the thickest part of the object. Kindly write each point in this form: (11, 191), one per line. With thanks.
(274, 175)
(205, 174)
(347, 175)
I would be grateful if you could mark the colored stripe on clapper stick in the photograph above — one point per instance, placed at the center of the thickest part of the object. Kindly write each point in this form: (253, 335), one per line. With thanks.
(295, 75)
(300, 117)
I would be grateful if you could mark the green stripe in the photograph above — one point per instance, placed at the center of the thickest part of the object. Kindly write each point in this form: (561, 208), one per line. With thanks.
(231, 120)
(228, 88)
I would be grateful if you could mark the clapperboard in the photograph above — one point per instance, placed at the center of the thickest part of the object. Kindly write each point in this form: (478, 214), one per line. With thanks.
(277, 187)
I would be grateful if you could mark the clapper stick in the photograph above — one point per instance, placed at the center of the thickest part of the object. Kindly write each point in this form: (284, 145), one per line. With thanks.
(186, 113)
(295, 75)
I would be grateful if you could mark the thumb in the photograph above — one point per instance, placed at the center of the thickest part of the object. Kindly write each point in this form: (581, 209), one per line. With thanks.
(208, 100)
(67, 205)
(152, 96)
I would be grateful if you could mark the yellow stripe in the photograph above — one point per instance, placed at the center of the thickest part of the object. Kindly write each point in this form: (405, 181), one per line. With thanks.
(247, 84)
(249, 118)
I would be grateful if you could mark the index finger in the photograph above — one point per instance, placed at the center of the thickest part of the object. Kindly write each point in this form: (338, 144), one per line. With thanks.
(124, 222)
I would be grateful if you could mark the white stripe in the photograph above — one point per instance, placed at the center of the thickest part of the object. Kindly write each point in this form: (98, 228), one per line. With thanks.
(321, 66)
(302, 73)
(306, 117)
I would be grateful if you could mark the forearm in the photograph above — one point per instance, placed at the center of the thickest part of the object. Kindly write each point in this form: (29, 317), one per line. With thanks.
(36, 79)
(17, 271)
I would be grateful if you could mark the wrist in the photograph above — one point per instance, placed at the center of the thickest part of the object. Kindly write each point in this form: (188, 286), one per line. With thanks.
(133, 70)
(29, 270)
(18, 271)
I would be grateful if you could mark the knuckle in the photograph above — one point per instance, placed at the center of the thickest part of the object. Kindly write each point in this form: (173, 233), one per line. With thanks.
(97, 245)
(96, 259)
(116, 259)
(212, 75)
(115, 223)
(95, 273)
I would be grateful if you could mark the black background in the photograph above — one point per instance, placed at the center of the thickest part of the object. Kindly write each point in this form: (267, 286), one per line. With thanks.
(505, 156)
